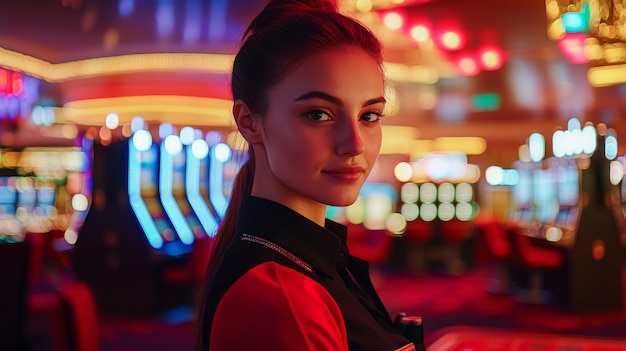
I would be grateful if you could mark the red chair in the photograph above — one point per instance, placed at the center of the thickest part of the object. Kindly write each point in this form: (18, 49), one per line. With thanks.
(71, 313)
(373, 246)
(186, 280)
(194, 271)
(418, 234)
(81, 317)
(455, 233)
(535, 261)
(492, 246)
(47, 305)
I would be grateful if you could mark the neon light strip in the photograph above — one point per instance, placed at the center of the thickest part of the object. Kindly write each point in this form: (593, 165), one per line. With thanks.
(604, 76)
(167, 198)
(192, 187)
(163, 62)
(100, 66)
(216, 185)
(136, 201)
(196, 110)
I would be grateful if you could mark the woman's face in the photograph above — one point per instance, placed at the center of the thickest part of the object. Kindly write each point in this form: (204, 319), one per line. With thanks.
(321, 133)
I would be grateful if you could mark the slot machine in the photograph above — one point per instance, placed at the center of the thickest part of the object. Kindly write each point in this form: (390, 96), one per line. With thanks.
(567, 178)
(522, 204)
(222, 169)
(143, 192)
(127, 239)
(172, 188)
(580, 217)
(79, 189)
(11, 229)
(544, 199)
(197, 185)
(45, 211)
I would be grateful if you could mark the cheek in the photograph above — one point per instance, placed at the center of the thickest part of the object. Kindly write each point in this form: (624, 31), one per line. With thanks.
(374, 142)
(290, 149)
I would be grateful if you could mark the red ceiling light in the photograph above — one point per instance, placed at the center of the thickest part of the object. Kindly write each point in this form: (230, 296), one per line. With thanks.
(451, 40)
(17, 84)
(572, 46)
(4, 81)
(490, 58)
(468, 66)
(11, 82)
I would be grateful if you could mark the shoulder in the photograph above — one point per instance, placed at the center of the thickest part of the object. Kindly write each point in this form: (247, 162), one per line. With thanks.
(277, 308)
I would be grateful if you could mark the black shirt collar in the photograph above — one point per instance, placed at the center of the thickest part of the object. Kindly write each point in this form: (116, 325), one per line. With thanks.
(316, 245)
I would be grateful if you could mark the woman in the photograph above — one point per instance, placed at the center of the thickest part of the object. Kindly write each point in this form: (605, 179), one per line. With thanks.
(308, 93)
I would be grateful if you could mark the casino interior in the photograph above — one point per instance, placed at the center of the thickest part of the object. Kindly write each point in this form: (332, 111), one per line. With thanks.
(496, 211)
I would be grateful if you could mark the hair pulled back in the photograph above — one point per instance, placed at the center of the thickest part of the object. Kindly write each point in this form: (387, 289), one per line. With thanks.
(282, 35)
(285, 33)
(275, 42)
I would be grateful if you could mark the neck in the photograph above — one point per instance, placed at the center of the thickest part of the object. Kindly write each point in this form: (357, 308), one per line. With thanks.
(308, 208)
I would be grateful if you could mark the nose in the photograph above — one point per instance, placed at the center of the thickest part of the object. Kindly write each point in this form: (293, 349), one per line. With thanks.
(350, 139)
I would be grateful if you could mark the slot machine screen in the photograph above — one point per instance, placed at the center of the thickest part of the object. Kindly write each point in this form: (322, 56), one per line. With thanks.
(568, 185)
(567, 217)
(149, 192)
(26, 195)
(523, 190)
(10, 226)
(8, 196)
(46, 196)
(544, 195)
(179, 192)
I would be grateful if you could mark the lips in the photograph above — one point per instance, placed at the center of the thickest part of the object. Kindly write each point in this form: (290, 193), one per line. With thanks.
(345, 174)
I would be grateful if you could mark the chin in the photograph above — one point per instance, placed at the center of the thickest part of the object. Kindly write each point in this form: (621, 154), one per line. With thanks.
(342, 202)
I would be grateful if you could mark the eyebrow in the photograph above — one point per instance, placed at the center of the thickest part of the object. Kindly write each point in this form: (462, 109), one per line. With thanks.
(333, 99)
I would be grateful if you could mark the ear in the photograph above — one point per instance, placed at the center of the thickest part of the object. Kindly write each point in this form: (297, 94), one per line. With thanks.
(249, 125)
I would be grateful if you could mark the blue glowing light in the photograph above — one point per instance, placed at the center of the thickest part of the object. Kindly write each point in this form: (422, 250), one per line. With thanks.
(193, 19)
(192, 188)
(165, 129)
(589, 136)
(166, 194)
(187, 135)
(172, 145)
(573, 124)
(137, 124)
(536, 147)
(610, 147)
(575, 22)
(136, 201)
(126, 7)
(217, 19)
(164, 15)
(213, 138)
(220, 155)
(142, 140)
(200, 149)
(222, 152)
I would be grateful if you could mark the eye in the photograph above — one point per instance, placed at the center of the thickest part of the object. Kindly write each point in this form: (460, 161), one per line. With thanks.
(371, 116)
(318, 115)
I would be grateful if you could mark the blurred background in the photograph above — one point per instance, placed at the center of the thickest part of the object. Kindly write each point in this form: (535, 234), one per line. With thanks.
(495, 211)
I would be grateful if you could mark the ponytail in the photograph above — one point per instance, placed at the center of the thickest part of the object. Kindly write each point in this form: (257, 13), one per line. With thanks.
(241, 188)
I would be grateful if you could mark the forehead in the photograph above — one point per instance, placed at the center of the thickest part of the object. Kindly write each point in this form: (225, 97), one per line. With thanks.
(339, 72)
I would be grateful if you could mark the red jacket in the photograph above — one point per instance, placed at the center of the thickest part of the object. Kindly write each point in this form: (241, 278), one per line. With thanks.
(286, 283)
